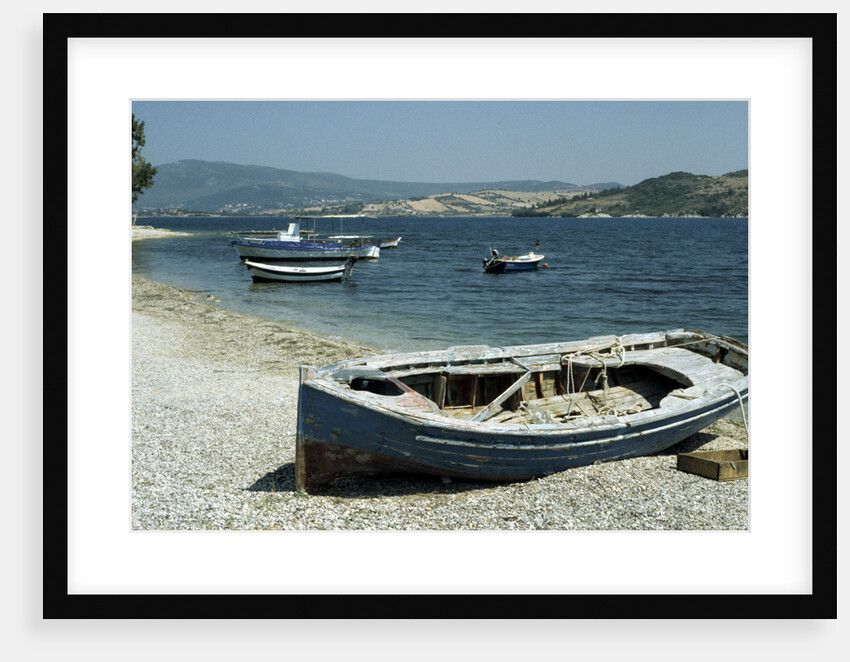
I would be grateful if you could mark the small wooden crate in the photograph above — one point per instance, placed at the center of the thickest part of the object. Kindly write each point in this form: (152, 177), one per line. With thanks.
(717, 465)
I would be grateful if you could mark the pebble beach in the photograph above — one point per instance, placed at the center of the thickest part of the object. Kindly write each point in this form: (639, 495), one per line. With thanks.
(214, 403)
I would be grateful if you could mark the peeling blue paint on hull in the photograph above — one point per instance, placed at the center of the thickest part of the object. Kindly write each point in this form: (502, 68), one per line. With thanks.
(389, 445)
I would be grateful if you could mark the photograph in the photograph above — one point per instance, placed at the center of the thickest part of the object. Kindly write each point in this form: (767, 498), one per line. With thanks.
(448, 315)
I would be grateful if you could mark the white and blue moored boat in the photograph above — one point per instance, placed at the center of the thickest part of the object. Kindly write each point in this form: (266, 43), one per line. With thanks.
(499, 265)
(289, 246)
(514, 413)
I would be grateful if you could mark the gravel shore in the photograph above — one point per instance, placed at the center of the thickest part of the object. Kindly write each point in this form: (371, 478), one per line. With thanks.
(138, 232)
(214, 401)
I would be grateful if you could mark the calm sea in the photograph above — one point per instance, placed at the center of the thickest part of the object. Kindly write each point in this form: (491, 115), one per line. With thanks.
(604, 276)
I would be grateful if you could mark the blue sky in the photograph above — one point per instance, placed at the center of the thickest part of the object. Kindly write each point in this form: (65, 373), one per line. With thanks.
(580, 142)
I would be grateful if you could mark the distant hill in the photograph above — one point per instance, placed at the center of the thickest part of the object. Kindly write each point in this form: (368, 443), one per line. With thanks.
(486, 202)
(220, 187)
(675, 194)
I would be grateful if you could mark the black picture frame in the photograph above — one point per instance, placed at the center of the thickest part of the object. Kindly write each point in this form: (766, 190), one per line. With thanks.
(58, 603)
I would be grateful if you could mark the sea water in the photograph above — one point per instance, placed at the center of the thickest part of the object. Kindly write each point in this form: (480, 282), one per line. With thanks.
(600, 276)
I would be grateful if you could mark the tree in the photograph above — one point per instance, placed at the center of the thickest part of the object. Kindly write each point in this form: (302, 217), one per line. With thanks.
(143, 171)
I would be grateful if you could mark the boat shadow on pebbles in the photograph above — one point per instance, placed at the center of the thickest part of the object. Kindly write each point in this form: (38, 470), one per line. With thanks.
(282, 480)
(725, 434)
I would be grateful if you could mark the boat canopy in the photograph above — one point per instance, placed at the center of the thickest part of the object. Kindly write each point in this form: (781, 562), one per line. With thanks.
(292, 233)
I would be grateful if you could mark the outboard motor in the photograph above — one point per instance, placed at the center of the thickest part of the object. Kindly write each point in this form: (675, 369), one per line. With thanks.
(492, 258)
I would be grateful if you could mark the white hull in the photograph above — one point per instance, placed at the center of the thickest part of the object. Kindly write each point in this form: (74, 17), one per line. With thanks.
(261, 271)
(499, 265)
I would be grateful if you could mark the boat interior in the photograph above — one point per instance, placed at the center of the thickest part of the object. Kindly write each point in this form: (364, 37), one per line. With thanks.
(550, 389)
(544, 397)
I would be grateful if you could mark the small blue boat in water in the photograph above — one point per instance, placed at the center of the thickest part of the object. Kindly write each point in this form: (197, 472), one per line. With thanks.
(499, 265)
(514, 413)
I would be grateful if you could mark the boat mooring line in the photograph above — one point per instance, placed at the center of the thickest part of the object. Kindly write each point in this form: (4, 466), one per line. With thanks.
(740, 402)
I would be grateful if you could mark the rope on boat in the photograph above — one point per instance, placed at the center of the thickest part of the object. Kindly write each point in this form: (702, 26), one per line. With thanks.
(741, 403)
(615, 348)
(612, 411)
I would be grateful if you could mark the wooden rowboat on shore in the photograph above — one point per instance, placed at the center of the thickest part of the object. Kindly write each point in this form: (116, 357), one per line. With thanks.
(514, 413)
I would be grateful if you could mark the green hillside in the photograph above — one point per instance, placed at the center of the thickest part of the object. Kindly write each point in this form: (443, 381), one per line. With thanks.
(217, 187)
(676, 194)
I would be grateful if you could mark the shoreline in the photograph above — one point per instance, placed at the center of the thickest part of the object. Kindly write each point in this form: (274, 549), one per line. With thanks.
(139, 232)
(214, 408)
